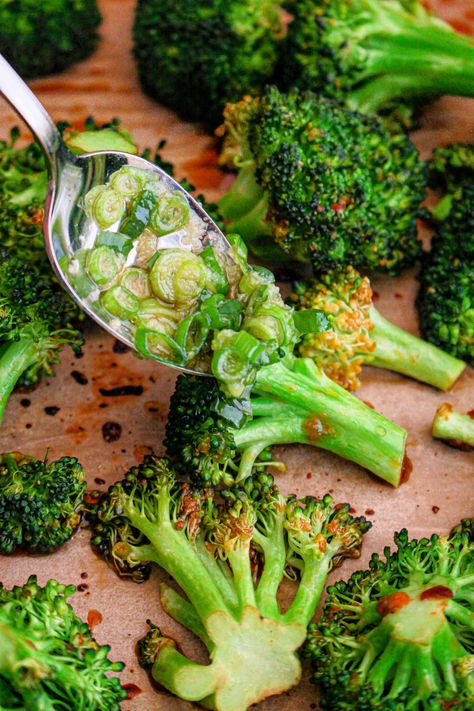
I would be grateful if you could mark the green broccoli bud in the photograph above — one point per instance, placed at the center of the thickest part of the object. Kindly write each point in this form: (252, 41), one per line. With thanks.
(400, 635)
(48, 656)
(41, 502)
(321, 184)
(210, 546)
(47, 37)
(359, 335)
(454, 427)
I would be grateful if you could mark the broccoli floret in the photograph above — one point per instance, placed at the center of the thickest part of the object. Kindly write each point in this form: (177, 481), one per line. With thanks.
(40, 503)
(400, 635)
(194, 56)
(375, 54)
(44, 37)
(327, 185)
(359, 335)
(212, 437)
(36, 322)
(48, 657)
(446, 297)
(228, 555)
(454, 427)
(449, 169)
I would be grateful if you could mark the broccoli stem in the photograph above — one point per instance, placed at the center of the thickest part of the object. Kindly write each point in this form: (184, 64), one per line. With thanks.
(333, 420)
(274, 551)
(244, 194)
(419, 57)
(14, 361)
(239, 560)
(309, 591)
(451, 425)
(407, 354)
(184, 678)
(183, 612)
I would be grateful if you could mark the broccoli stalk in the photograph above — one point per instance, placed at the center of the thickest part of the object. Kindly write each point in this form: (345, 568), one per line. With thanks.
(373, 53)
(214, 438)
(400, 635)
(321, 184)
(358, 335)
(48, 657)
(209, 549)
(458, 429)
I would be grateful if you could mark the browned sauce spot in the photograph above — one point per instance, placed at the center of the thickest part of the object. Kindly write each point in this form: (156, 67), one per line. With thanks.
(369, 512)
(94, 618)
(435, 509)
(140, 452)
(392, 603)
(438, 592)
(111, 431)
(82, 587)
(132, 690)
(407, 468)
(122, 390)
(79, 377)
(369, 404)
(120, 347)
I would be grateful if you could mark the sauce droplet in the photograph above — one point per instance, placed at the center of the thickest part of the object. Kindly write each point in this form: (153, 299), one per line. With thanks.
(132, 690)
(407, 468)
(111, 431)
(79, 377)
(94, 617)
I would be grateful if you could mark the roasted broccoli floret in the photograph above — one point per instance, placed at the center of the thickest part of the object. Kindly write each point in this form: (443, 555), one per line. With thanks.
(36, 322)
(196, 55)
(449, 169)
(327, 185)
(358, 334)
(454, 427)
(374, 54)
(212, 437)
(229, 558)
(401, 634)
(44, 37)
(41, 502)
(446, 297)
(48, 657)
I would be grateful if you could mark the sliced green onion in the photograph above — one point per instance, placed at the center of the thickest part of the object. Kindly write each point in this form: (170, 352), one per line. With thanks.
(119, 242)
(157, 317)
(240, 251)
(90, 198)
(178, 276)
(191, 334)
(136, 281)
(137, 219)
(218, 276)
(171, 213)
(120, 302)
(127, 181)
(253, 280)
(271, 322)
(223, 313)
(311, 321)
(108, 207)
(74, 269)
(159, 346)
(103, 264)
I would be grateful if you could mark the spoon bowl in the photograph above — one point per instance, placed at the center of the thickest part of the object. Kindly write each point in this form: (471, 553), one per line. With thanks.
(66, 227)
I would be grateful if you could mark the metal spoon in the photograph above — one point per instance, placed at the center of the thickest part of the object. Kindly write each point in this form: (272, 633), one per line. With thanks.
(66, 227)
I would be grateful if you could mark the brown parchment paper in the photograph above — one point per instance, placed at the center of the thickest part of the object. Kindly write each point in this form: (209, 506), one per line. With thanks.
(438, 493)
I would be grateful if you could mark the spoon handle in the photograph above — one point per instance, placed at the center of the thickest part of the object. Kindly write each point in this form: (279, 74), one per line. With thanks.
(27, 106)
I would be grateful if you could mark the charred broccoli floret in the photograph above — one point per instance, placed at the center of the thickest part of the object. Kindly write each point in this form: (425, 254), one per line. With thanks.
(359, 335)
(205, 53)
(327, 185)
(374, 54)
(40, 38)
(212, 437)
(454, 427)
(36, 322)
(446, 296)
(40, 502)
(229, 557)
(48, 657)
(401, 634)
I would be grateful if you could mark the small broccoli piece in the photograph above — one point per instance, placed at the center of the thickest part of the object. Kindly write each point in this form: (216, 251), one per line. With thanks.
(449, 169)
(454, 427)
(48, 657)
(327, 185)
(400, 635)
(359, 335)
(44, 37)
(375, 55)
(204, 53)
(40, 503)
(209, 547)
(446, 297)
(36, 322)
(212, 437)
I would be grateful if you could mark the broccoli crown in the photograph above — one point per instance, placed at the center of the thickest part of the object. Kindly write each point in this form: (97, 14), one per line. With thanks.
(331, 186)
(374, 55)
(48, 657)
(346, 299)
(47, 37)
(228, 554)
(451, 166)
(40, 502)
(446, 297)
(400, 635)
(205, 53)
